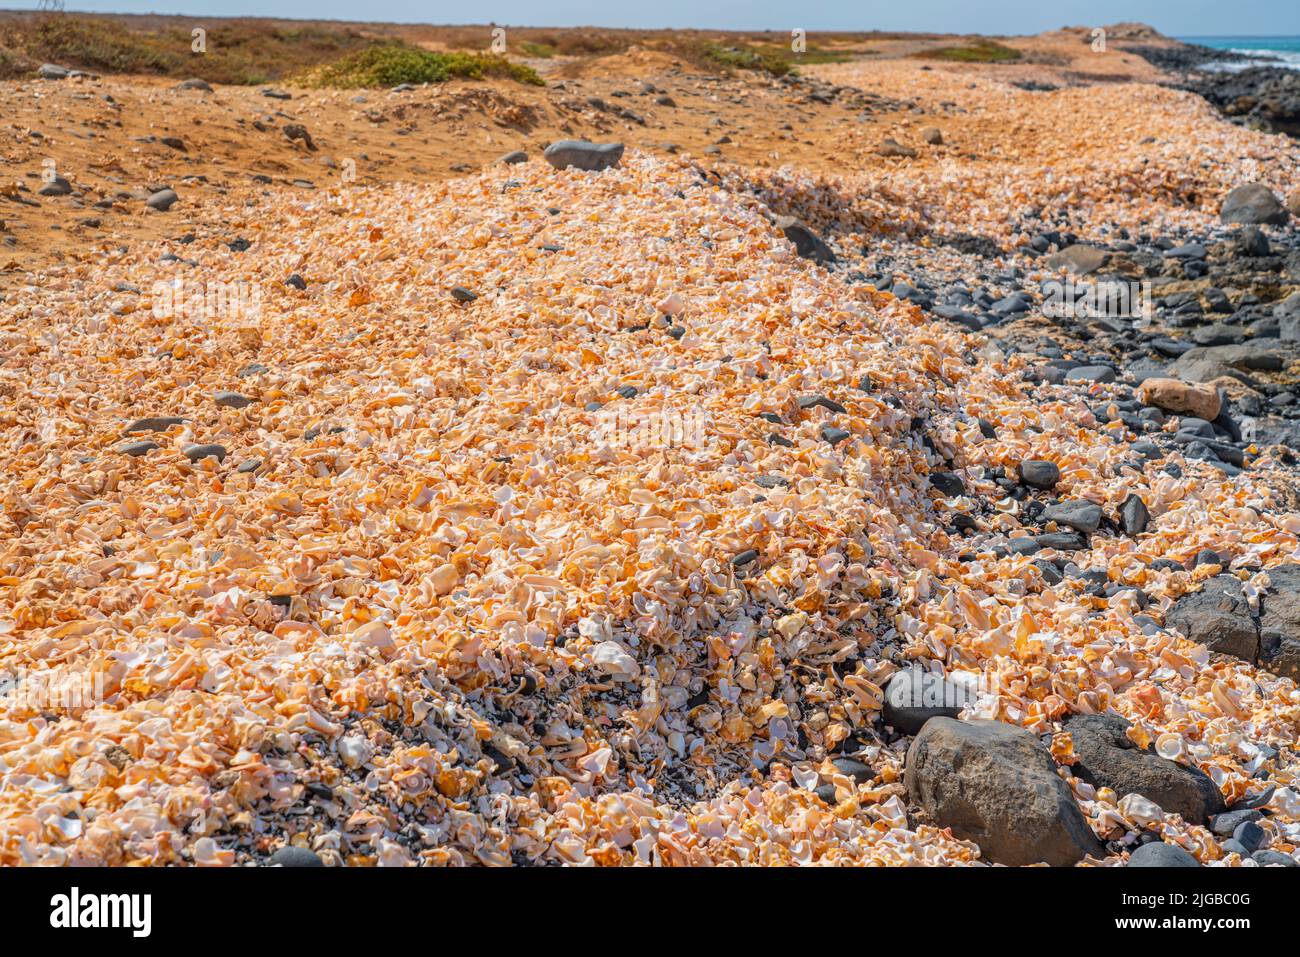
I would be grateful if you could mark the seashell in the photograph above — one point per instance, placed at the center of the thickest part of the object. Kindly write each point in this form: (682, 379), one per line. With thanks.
(355, 750)
(466, 534)
(208, 854)
(1170, 745)
(444, 578)
(1140, 810)
(671, 305)
(375, 635)
(1227, 700)
(611, 658)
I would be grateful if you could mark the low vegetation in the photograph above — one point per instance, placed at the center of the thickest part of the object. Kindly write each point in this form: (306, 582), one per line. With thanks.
(13, 66)
(234, 51)
(539, 51)
(392, 64)
(979, 51)
(545, 43)
(79, 42)
(770, 58)
(747, 58)
(322, 53)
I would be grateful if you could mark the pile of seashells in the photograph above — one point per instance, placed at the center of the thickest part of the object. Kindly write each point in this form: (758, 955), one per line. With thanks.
(603, 566)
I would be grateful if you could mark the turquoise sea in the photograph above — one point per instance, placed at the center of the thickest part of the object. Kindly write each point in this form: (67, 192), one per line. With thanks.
(1286, 49)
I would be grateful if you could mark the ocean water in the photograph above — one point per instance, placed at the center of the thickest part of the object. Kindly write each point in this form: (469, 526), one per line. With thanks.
(1286, 49)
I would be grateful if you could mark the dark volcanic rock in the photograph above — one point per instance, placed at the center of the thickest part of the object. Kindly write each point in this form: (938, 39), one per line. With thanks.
(806, 243)
(1091, 374)
(1108, 758)
(196, 453)
(946, 483)
(1185, 56)
(153, 423)
(1062, 541)
(1081, 516)
(1219, 617)
(1225, 824)
(1133, 516)
(232, 400)
(1079, 260)
(1269, 858)
(162, 200)
(1039, 473)
(1159, 854)
(914, 696)
(583, 155)
(1250, 836)
(1253, 205)
(997, 785)
(290, 856)
(1251, 241)
(58, 186)
(890, 147)
(850, 767)
(1280, 622)
(137, 449)
(1267, 95)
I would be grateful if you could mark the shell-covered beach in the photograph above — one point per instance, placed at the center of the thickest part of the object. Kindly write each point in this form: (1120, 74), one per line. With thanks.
(730, 504)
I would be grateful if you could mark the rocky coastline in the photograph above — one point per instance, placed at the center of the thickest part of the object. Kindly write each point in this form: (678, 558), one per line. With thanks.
(1249, 89)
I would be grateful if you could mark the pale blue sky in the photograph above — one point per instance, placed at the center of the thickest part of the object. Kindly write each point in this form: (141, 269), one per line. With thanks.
(1190, 17)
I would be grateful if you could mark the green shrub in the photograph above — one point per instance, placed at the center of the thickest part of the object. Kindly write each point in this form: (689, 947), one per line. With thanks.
(818, 55)
(391, 64)
(745, 58)
(542, 51)
(769, 58)
(981, 51)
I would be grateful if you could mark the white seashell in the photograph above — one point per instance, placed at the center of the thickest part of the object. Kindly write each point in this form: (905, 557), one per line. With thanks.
(208, 854)
(610, 657)
(672, 305)
(392, 854)
(69, 827)
(677, 742)
(444, 578)
(805, 776)
(1141, 810)
(318, 722)
(1286, 802)
(373, 634)
(355, 750)
(597, 762)
(790, 625)
(1170, 746)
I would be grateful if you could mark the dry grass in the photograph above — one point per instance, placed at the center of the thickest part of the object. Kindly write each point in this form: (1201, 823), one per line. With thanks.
(14, 65)
(253, 50)
(241, 52)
